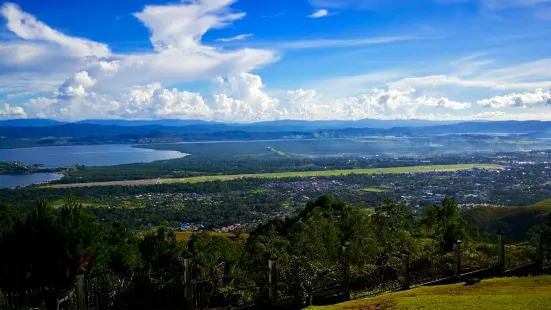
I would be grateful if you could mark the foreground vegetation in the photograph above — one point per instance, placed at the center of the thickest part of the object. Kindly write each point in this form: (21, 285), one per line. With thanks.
(300, 174)
(309, 244)
(309, 248)
(504, 293)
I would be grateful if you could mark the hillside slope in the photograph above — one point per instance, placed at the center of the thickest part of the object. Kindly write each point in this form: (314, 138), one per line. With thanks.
(504, 293)
(514, 221)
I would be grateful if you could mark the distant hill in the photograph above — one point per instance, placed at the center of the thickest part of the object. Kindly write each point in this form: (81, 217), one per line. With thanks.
(291, 125)
(412, 126)
(514, 221)
(28, 131)
(490, 127)
(30, 122)
(160, 122)
(299, 125)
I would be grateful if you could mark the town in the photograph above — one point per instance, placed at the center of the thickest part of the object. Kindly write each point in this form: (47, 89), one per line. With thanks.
(519, 179)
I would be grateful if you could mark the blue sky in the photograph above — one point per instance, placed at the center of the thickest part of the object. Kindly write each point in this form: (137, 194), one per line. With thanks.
(249, 60)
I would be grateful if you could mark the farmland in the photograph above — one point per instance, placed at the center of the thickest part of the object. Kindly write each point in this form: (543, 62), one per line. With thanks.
(374, 190)
(279, 175)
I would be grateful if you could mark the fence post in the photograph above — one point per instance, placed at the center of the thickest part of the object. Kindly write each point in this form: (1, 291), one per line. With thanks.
(272, 278)
(539, 250)
(188, 284)
(407, 281)
(501, 249)
(346, 270)
(457, 260)
(79, 283)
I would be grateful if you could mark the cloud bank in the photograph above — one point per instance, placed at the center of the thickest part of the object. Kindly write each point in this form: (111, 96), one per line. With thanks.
(70, 78)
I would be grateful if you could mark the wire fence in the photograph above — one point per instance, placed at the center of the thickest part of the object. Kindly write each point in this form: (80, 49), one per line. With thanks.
(519, 255)
(437, 266)
(154, 290)
(29, 299)
(383, 288)
(478, 256)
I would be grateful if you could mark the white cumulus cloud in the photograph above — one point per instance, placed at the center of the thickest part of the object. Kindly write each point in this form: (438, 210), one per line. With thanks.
(7, 112)
(524, 100)
(239, 98)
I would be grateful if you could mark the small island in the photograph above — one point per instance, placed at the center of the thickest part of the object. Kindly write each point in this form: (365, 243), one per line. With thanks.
(14, 167)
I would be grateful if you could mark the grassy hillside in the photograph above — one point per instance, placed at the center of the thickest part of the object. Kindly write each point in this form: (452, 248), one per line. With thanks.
(504, 293)
(515, 221)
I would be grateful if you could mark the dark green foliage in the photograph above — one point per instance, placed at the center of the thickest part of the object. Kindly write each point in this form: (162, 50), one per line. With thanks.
(125, 257)
(545, 231)
(514, 221)
(47, 247)
(161, 250)
(444, 223)
(309, 246)
(392, 227)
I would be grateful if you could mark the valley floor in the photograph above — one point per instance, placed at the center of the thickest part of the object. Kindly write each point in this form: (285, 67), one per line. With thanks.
(503, 293)
(391, 170)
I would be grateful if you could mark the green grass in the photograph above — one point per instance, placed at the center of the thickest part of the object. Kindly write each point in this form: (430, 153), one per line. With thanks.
(373, 190)
(329, 173)
(259, 191)
(84, 205)
(280, 153)
(503, 293)
(278, 175)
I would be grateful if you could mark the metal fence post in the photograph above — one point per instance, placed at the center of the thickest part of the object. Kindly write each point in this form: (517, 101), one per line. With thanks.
(188, 284)
(539, 250)
(501, 249)
(346, 270)
(272, 278)
(457, 260)
(79, 284)
(407, 281)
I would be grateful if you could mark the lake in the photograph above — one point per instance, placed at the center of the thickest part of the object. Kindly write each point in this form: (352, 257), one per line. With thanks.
(87, 155)
(11, 181)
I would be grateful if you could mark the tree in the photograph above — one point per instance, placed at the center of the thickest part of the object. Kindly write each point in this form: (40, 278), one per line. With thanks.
(444, 223)
(125, 257)
(392, 228)
(161, 251)
(48, 247)
(84, 239)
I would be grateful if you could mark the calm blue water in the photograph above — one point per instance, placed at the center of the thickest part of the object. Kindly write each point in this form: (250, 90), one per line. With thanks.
(11, 181)
(87, 155)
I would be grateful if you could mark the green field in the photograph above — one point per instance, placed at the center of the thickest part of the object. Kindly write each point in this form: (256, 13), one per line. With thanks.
(504, 293)
(374, 190)
(280, 153)
(301, 174)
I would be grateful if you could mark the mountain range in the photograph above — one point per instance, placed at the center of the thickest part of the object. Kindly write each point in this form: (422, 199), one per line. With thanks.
(32, 132)
(289, 124)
